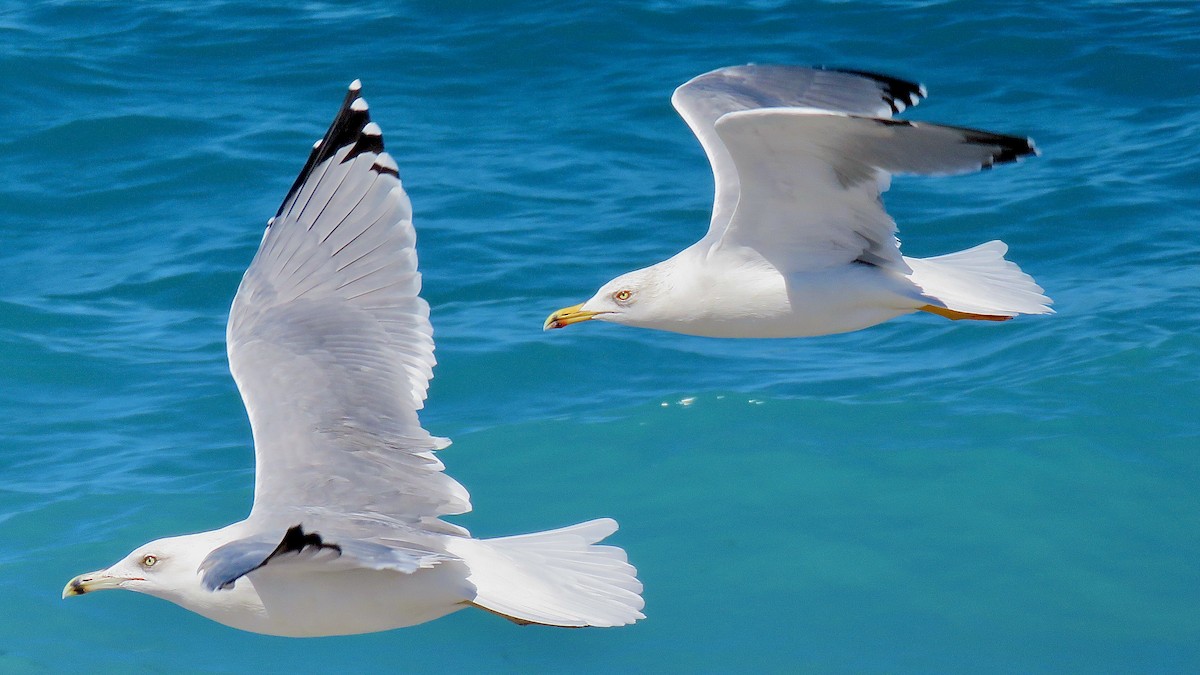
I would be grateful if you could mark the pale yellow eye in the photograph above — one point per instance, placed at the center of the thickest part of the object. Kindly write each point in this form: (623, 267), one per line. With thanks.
(149, 561)
(622, 296)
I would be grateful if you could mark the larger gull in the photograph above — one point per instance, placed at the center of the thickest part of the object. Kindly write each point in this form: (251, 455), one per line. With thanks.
(331, 347)
(799, 243)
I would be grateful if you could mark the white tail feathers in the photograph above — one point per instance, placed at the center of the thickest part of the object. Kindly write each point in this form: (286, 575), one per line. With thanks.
(979, 281)
(557, 578)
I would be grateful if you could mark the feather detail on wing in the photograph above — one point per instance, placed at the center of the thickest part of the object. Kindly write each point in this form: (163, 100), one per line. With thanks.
(331, 346)
(706, 98)
(811, 180)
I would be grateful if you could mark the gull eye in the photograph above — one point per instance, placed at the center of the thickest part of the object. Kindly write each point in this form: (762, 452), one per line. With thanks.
(623, 295)
(148, 561)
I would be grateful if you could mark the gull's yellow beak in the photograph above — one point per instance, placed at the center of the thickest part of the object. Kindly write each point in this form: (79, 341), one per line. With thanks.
(567, 316)
(92, 581)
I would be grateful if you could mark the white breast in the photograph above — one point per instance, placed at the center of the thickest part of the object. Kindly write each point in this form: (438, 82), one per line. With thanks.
(295, 602)
(746, 297)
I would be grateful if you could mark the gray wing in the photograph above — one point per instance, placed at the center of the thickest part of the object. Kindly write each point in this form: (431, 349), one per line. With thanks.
(811, 181)
(331, 347)
(232, 561)
(706, 98)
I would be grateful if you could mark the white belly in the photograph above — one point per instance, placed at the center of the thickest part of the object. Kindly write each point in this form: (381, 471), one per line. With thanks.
(764, 304)
(294, 603)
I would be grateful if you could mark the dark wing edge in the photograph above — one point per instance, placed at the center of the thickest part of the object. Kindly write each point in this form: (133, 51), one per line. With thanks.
(706, 97)
(998, 148)
(234, 560)
(351, 126)
(898, 93)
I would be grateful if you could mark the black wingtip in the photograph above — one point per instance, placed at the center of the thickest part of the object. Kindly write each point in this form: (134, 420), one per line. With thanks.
(352, 126)
(897, 93)
(347, 127)
(370, 139)
(1019, 147)
(1004, 148)
(1008, 148)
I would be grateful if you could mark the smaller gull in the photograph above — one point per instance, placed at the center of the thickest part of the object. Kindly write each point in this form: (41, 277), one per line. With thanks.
(331, 347)
(799, 243)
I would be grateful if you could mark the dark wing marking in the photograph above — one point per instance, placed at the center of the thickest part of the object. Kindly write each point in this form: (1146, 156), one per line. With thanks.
(998, 148)
(232, 561)
(236, 559)
(899, 94)
(351, 126)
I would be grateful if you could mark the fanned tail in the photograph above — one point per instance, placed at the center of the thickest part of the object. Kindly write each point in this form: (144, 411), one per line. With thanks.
(556, 578)
(977, 284)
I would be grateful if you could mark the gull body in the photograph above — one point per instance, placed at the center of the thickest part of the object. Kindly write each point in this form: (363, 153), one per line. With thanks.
(331, 347)
(745, 297)
(799, 243)
(285, 600)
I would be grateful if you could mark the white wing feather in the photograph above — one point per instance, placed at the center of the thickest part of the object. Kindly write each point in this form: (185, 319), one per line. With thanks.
(704, 99)
(811, 181)
(331, 346)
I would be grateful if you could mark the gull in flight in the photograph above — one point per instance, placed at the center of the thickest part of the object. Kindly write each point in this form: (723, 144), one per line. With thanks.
(799, 243)
(331, 347)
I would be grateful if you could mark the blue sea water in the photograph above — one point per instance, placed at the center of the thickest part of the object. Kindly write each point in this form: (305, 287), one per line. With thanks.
(922, 496)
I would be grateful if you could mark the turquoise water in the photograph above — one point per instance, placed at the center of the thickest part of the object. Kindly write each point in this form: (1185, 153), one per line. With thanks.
(918, 497)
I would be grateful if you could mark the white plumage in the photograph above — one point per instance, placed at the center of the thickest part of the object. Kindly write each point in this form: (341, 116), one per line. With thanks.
(799, 242)
(331, 347)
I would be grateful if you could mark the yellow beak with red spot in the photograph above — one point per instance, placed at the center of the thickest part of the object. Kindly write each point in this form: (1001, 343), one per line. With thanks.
(569, 315)
(94, 581)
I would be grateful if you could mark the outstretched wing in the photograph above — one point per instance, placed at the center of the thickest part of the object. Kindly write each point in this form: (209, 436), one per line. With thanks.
(811, 181)
(704, 99)
(331, 347)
